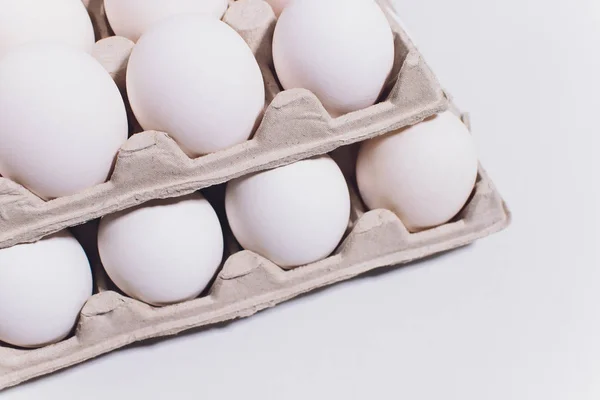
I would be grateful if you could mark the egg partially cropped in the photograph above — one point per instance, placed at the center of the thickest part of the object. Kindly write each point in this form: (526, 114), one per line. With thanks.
(131, 18)
(341, 50)
(59, 21)
(62, 122)
(424, 173)
(43, 287)
(196, 79)
(164, 252)
(293, 215)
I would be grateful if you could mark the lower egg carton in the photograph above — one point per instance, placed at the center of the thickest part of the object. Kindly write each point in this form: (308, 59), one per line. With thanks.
(248, 283)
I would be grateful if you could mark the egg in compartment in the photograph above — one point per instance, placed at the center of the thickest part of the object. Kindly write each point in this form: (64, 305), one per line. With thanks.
(292, 215)
(163, 252)
(55, 21)
(195, 78)
(63, 119)
(131, 18)
(424, 173)
(340, 50)
(43, 287)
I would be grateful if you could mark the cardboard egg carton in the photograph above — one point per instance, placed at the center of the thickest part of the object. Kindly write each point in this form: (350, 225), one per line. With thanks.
(295, 126)
(248, 283)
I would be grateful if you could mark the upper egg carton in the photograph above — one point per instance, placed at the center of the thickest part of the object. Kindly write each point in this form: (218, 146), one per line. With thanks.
(295, 126)
(249, 283)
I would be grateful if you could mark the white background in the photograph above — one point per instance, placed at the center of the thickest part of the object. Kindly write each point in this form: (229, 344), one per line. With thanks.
(516, 316)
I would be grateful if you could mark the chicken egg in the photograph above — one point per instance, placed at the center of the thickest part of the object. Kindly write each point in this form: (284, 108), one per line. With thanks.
(62, 122)
(164, 252)
(62, 21)
(131, 18)
(424, 173)
(341, 50)
(43, 287)
(196, 79)
(292, 215)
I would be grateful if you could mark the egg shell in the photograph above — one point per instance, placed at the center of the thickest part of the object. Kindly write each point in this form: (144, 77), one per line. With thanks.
(61, 21)
(424, 173)
(293, 215)
(131, 18)
(43, 287)
(164, 252)
(341, 50)
(63, 120)
(195, 78)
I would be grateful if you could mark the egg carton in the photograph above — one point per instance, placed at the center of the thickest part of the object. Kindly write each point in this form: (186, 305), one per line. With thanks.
(294, 126)
(249, 283)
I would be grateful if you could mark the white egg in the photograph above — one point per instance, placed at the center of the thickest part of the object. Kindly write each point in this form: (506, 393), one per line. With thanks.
(341, 50)
(131, 18)
(43, 287)
(425, 173)
(62, 21)
(293, 215)
(278, 5)
(164, 252)
(196, 79)
(62, 121)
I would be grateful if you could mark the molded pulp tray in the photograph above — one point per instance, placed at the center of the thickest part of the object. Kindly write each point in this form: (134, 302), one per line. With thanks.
(294, 127)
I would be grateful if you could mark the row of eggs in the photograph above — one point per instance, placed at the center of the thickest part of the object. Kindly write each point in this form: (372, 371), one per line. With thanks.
(168, 251)
(190, 75)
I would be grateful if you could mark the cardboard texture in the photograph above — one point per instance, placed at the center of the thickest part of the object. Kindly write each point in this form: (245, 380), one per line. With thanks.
(295, 126)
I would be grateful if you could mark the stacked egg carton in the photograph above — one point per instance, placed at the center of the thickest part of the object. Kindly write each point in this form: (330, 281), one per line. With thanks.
(295, 126)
